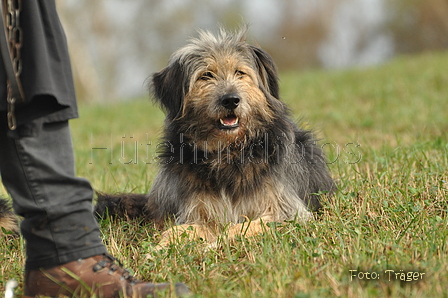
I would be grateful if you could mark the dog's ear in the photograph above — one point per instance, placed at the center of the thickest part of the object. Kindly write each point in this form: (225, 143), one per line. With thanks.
(267, 71)
(168, 86)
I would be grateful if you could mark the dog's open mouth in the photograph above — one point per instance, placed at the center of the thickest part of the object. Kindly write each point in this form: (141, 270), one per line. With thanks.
(229, 122)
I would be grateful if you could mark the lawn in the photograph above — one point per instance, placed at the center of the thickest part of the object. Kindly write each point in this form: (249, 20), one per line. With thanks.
(384, 234)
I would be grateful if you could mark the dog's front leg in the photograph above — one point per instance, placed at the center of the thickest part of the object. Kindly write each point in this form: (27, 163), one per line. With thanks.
(249, 228)
(190, 231)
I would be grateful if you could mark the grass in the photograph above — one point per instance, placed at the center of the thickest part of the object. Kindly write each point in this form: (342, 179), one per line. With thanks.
(385, 132)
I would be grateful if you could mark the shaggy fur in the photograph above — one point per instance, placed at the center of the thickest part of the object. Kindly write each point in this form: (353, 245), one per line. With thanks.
(8, 219)
(231, 152)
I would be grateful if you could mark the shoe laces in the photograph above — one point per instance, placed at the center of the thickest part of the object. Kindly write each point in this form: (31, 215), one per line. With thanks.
(114, 265)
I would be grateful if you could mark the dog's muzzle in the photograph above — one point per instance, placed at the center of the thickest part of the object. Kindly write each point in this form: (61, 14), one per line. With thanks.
(230, 101)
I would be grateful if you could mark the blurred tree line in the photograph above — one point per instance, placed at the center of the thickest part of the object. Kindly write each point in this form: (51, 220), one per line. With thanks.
(419, 25)
(116, 44)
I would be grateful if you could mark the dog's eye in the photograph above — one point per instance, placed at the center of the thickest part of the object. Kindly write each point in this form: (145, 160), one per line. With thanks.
(239, 73)
(206, 76)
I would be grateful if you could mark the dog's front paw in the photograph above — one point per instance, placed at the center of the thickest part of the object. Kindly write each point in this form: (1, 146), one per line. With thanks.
(186, 233)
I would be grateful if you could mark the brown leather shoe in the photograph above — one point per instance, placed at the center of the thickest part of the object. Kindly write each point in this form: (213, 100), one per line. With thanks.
(100, 275)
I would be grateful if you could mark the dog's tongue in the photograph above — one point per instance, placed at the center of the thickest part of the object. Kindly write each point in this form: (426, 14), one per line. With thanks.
(229, 121)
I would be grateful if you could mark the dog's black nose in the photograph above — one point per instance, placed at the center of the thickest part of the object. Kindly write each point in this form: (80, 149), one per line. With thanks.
(230, 101)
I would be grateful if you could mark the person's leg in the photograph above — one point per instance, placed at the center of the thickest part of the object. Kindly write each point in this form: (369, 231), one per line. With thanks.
(65, 254)
(37, 169)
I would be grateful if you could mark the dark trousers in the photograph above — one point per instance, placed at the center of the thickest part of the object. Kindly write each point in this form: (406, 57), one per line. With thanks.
(37, 169)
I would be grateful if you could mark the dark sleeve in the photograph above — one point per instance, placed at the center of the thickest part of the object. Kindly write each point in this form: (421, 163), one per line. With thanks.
(46, 72)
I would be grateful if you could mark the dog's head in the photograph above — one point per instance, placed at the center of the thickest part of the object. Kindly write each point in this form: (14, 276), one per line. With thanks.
(219, 88)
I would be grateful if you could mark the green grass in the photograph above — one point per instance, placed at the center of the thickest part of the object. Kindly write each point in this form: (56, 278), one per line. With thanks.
(385, 130)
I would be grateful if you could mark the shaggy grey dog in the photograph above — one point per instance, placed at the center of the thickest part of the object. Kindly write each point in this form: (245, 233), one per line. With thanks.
(231, 154)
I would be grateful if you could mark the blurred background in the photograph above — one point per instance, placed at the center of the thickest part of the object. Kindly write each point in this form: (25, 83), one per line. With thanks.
(116, 44)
